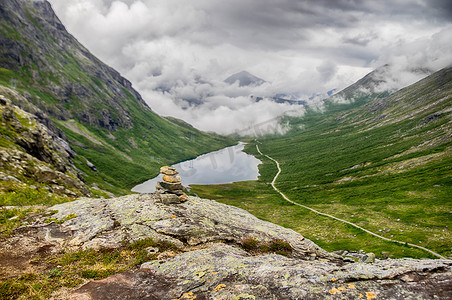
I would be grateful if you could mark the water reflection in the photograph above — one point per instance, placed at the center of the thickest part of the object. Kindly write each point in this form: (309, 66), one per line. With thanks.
(227, 165)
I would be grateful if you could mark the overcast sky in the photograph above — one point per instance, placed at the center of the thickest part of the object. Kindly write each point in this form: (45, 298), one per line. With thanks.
(174, 50)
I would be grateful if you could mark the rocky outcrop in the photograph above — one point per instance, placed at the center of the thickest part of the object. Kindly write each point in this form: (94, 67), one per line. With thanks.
(110, 222)
(32, 135)
(22, 165)
(225, 272)
(213, 264)
(31, 151)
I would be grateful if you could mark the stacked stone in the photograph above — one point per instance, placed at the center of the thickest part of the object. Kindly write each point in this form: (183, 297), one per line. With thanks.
(171, 190)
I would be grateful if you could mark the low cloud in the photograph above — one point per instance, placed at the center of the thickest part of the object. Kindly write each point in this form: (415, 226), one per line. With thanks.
(229, 115)
(410, 62)
(177, 53)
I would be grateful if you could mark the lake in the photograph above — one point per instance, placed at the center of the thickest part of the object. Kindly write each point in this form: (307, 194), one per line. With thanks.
(227, 165)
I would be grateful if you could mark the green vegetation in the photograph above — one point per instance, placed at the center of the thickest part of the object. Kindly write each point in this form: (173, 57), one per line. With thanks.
(61, 221)
(260, 199)
(277, 246)
(71, 269)
(13, 218)
(372, 166)
(24, 195)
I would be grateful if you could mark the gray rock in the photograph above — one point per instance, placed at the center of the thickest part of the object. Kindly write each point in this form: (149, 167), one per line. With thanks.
(4, 100)
(170, 198)
(167, 186)
(212, 265)
(197, 221)
(91, 166)
(369, 258)
(226, 272)
(8, 178)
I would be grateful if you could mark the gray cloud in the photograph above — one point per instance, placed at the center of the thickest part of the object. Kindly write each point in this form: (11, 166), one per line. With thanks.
(177, 53)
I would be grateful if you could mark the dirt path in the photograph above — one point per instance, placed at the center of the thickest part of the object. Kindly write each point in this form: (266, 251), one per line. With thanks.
(335, 218)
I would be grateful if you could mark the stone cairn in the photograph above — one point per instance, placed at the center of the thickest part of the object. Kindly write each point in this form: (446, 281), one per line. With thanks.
(171, 190)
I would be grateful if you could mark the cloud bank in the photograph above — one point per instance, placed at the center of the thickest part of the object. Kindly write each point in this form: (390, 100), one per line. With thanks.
(177, 53)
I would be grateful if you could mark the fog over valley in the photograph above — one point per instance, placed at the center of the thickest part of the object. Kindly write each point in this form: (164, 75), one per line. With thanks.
(178, 54)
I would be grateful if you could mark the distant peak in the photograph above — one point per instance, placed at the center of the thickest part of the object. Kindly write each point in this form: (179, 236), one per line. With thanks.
(244, 73)
(245, 79)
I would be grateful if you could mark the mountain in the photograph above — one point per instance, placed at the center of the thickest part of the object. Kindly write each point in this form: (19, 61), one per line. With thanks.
(384, 165)
(331, 92)
(245, 79)
(378, 84)
(362, 91)
(95, 122)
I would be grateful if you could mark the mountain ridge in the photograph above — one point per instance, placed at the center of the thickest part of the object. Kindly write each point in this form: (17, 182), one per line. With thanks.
(36, 24)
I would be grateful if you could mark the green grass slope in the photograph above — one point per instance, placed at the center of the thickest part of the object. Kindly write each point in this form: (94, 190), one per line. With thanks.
(385, 166)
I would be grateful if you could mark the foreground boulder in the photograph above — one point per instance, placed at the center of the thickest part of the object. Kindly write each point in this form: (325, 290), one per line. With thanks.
(225, 272)
(98, 223)
(213, 261)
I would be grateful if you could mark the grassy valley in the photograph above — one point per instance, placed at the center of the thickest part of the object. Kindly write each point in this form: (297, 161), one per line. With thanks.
(385, 166)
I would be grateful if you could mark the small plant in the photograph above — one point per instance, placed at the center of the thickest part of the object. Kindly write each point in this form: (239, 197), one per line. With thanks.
(250, 244)
(11, 289)
(61, 221)
(277, 246)
(11, 219)
(145, 243)
(55, 273)
(96, 274)
(25, 195)
(280, 247)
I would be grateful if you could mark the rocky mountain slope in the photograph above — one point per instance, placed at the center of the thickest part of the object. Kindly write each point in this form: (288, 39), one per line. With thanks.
(363, 91)
(33, 154)
(36, 44)
(87, 107)
(217, 253)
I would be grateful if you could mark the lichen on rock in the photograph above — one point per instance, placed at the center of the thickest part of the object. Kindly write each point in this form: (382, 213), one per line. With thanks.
(196, 221)
(227, 272)
(211, 262)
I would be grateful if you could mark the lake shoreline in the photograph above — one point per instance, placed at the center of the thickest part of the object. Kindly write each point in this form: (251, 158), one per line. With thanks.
(230, 164)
